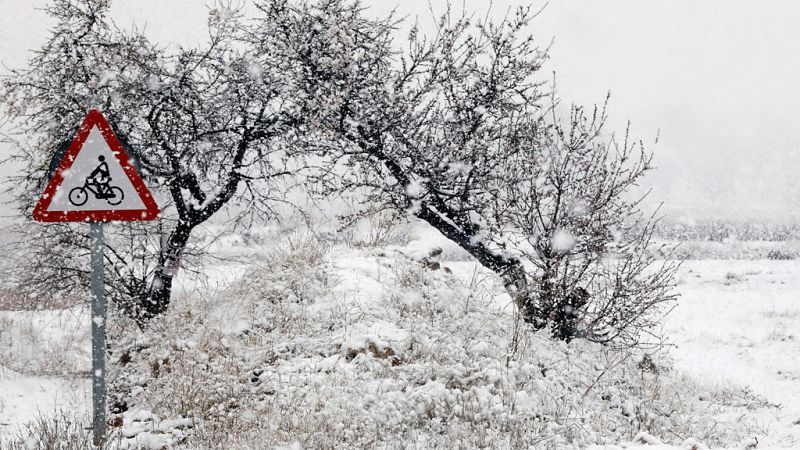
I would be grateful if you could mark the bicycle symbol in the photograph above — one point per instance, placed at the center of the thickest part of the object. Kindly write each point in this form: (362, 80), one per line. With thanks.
(98, 183)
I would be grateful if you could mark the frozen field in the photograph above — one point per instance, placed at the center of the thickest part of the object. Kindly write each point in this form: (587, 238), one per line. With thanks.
(739, 322)
(736, 324)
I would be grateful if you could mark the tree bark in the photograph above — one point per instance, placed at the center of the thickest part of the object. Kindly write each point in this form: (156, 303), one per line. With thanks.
(510, 270)
(158, 297)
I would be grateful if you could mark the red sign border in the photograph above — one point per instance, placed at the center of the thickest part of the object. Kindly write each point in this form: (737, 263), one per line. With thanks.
(96, 118)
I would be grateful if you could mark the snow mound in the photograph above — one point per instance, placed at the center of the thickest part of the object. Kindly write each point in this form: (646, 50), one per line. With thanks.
(325, 346)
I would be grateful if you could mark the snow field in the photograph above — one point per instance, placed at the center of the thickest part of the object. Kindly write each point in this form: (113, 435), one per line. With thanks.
(323, 343)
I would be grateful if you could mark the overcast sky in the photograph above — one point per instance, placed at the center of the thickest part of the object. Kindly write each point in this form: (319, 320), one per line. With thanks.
(718, 78)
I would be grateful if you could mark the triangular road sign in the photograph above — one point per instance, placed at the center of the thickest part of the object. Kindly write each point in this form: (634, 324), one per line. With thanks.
(95, 180)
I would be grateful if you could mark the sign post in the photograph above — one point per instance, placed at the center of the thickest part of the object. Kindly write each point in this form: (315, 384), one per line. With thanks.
(98, 334)
(95, 182)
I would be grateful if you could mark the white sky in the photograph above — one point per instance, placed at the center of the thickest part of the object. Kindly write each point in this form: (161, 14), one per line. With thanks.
(717, 77)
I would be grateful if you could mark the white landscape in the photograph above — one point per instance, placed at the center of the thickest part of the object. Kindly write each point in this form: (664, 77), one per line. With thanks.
(400, 226)
(374, 342)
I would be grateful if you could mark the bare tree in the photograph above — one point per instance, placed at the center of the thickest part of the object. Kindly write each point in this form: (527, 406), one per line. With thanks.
(457, 130)
(209, 123)
(571, 216)
(429, 135)
(427, 129)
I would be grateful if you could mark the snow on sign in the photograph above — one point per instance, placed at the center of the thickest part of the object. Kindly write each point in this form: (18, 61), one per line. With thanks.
(95, 180)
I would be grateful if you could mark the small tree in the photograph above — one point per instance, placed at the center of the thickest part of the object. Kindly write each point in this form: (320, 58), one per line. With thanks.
(207, 123)
(571, 217)
(456, 131)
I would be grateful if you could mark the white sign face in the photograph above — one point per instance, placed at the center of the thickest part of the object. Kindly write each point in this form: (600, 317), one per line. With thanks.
(95, 181)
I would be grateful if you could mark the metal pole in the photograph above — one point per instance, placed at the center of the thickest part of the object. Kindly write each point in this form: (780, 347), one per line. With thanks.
(98, 335)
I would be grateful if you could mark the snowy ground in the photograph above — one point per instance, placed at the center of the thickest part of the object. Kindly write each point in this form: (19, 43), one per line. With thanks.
(736, 324)
(739, 322)
(23, 398)
(44, 363)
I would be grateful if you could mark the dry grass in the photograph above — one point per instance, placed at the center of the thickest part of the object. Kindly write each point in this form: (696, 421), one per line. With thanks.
(429, 361)
(63, 431)
(13, 300)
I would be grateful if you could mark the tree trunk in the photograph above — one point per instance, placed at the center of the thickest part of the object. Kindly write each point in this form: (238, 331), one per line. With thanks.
(158, 297)
(515, 280)
(439, 216)
(510, 270)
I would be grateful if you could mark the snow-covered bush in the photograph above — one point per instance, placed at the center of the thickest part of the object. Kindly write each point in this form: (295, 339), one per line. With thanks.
(720, 229)
(198, 351)
(744, 250)
(61, 432)
(343, 347)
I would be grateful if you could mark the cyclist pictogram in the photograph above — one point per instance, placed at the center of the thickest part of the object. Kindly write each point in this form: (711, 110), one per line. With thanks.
(99, 184)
